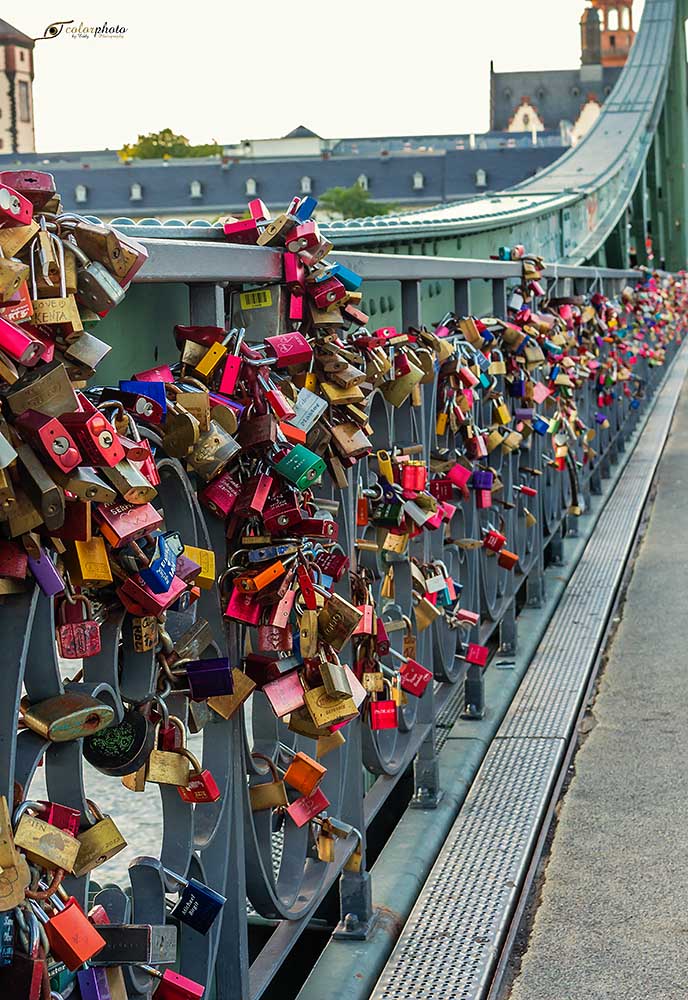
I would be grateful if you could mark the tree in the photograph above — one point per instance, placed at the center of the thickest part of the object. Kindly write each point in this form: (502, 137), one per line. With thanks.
(166, 144)
(353, 203)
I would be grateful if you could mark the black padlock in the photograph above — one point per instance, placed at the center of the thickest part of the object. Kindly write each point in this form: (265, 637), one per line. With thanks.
(123, 748)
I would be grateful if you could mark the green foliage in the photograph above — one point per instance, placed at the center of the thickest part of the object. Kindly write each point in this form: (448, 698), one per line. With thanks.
(353, 203)
(164, 145)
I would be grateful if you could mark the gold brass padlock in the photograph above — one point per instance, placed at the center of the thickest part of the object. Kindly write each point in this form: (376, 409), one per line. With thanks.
(12, 274)
(327, 742)
(325, 846)
(87, 563)
(213, 452)
(328, 711)
(8, 851)
(67, 716)
(169, 767)
(337, 621)
(308, 629)
(98, 844)
(44, 844)
(227, 704)
(268, 794)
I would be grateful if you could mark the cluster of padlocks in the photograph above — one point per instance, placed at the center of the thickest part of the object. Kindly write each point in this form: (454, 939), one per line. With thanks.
(269, 427)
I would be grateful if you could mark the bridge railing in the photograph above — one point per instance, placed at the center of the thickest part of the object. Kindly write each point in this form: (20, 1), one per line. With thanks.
(269, 870)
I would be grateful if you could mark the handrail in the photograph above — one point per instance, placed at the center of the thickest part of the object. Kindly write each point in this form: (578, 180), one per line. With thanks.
(173, 260)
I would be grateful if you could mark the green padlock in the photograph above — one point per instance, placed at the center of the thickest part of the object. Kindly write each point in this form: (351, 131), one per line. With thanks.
(300, 466)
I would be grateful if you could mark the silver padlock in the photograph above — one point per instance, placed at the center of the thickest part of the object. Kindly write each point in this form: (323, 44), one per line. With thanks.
(95, 286)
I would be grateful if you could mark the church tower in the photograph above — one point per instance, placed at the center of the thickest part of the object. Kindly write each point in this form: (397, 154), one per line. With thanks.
(16, 91)
(617, 33)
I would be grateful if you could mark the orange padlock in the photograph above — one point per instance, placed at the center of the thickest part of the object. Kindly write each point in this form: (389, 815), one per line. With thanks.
(506, 559)
(304, 774)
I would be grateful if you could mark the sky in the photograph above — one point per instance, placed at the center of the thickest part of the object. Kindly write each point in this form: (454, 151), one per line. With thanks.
(225, 71)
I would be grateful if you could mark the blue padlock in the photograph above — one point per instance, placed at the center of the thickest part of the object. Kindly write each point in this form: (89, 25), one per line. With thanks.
(159, 574)
(305, 208)
(6, 938)
(351, 281)
(540, 425)
(198, 904)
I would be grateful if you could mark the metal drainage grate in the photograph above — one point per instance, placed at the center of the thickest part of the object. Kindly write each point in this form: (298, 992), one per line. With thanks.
(448, 945)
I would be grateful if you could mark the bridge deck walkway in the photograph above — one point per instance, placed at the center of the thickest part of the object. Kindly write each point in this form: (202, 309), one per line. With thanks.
(612, 919)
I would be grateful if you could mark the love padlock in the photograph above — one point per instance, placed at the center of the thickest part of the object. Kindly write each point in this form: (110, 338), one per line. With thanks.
(78, 635)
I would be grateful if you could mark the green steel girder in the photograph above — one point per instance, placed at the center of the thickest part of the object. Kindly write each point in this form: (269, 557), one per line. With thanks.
(577, 209)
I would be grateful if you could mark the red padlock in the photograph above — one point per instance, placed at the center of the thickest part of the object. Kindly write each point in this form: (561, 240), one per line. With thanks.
(414, 677)
(308, 807)
(202, 787)
(50, 437)
(494, 540)
(78, 636)
(483, 499)
(383, 714)
(477, 654)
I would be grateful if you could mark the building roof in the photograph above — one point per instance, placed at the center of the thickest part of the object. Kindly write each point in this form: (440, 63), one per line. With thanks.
(166, 187)
(301, 132)
(10, 34)
(557, 95)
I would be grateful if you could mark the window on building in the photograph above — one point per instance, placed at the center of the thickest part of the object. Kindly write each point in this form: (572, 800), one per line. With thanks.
(80, 193)
(251, 186)
(24, 102)
(22, 55)
(418, 181)
(2, 143)
(612, 19)
(135, 192)
(481, 178)
(362, 182)
(196, 189)
(575, 91)
(612, 41)
(306, 185)
(625, 18)
(526, 119)
(508, 93)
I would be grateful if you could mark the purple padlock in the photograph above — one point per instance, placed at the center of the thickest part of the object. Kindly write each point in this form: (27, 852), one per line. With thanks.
(93, 984)
(209, 678)
(600, 418)
(45, 574)
(524, 413)
(517, 388)
(482, 479)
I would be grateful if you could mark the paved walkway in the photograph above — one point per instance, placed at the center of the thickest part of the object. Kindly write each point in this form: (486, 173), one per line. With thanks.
(613, 920)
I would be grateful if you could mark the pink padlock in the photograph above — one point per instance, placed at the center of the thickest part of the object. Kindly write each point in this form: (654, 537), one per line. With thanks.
(220, 495)
(243, 607)
(285, 694)
(161, 373)
(18, 344)
(459, 475)
(289, 349)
